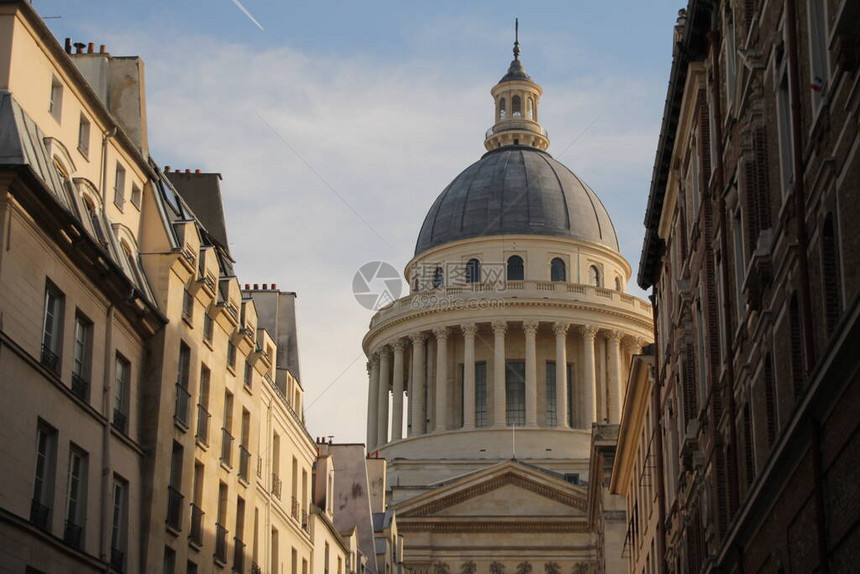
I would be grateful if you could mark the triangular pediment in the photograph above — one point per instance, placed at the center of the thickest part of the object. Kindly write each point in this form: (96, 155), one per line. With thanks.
(509, 489)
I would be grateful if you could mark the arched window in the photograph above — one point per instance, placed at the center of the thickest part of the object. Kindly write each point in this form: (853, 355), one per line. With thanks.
(516, 107)
(438, 277)
(594, 276)
(516, 271)
(530, 109)
(473, 271)
(618, 284)
(502, 111)
(95, 222)
(557, 270)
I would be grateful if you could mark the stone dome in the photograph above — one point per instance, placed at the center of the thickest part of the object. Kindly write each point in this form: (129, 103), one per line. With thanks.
(516, 190)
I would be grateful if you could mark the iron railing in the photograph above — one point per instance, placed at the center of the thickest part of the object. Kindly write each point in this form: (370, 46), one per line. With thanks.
(180, 412)
(50, 359)
(226, 448)
(117, 559)
(120, 421)
(238, 555)
(195, 533)
(294, 508)
(174, 508)
(276, 486)
(203, 417)
(39, 514)
(220, 544)
(73, 534)
(80, 387)
(244, 462)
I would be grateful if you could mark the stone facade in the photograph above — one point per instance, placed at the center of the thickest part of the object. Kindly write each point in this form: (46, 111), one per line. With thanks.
(756, 284)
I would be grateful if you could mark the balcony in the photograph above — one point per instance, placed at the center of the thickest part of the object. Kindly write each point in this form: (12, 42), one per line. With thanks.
(226, 448)
(50, 359)
(220, 544)
(238, 556)
(195, 533)
(203, 417)
(117, 559)
(180, 413)
(80, 387)
(120, 421)
(39, 514)
(244, 462)
(73, 535)
(276, 486)
(519, 124)
(174, 509)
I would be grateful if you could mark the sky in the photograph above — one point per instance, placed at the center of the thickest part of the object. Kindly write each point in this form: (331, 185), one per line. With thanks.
(335, 124)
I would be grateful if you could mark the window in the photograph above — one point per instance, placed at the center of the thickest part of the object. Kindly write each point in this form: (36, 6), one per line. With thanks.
(121, 394)
(226, 436)
(515, 393)
(203, 407)
(43, 480)
(797, 359)
(551, 408)
(76, 498)
(55, 106)
(244, 443)
(830, 273)
(438, 277)
(239, 549)
(249, 374)
(594, 275)
(84, 136)
(530, 109)
(195, 531)
(786, 145)
(502, 110)
(819, 71)
(480, 394)
(231, 356)
(119, 524)
(558, 270)
(516, 269)
(134, 271)
(570, 395)
(516, 107)
(208, 325)
(82, 356)
(95, 222)
(740, 261)
(136, 195)
(169, 566)
(187, 306)
(220, 529)
(749, 458)
(770, 400)
(619, 284)
(119, 187)
(473, 271)
(52, 331)
(175, 499)
(731, 57)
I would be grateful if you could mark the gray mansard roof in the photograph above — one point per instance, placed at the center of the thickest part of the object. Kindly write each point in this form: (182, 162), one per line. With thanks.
(516, 190)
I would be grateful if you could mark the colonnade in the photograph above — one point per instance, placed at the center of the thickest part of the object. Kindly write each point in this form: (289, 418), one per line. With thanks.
(389, 381)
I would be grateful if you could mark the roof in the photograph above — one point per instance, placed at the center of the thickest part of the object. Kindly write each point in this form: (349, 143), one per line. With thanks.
(516, 190)
(202, 192)
(516, 72)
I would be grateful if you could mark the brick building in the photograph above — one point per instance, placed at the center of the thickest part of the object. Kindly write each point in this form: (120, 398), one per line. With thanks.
(756, 284)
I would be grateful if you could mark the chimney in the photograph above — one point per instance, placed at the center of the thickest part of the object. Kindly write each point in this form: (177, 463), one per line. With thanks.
(79, 47)
(256, 286)
(196, 171)
(167, 169)
(102, 49)
(91, 48)
(68, 45)
(187, 171)
(246, 286)
(274, 286)
(265, 286)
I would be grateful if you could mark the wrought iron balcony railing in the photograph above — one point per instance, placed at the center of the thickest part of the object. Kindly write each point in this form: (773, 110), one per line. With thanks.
(39, 514)
(80, 387)
(117, 559)
(203, 417)
(180, 412)
(244, 462)
(276, 486)
(50, 359)
(238, 556)
(120, 421)
(195, 533)
(73, 534)
(174, 508)
(220, 544)
(226, 448)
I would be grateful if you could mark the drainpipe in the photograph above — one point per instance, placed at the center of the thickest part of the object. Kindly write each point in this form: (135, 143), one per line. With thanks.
(657, 409)
(732, 461)
(107, 398)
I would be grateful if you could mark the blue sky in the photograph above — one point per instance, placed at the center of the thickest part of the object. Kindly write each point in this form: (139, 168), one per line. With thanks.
(381, 104)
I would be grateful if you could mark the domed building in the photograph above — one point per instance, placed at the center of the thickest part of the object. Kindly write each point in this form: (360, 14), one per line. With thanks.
(487, 378)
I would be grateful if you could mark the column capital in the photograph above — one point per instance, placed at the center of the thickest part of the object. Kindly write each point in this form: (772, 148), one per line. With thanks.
(614, 335)
(417, 338)
(588, 331)
(530, 327)
(560, 328)
(384, 351)
(369, 365)
(374, 358)
(398, 345)
(633, 345)
(441, 333)
(469, 329)
(499, 327)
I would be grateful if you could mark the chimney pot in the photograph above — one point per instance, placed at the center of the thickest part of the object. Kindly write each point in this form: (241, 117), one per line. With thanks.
(68, 45)
(91, 48)
(102, 49)
(274, 286)
(187, 171)
(246, 286)
(79, 47)
(265, 286)
(167, 169)
(196, 171)
(256, 286)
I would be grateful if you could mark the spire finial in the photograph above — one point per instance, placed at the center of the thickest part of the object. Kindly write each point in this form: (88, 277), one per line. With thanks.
(516, 38)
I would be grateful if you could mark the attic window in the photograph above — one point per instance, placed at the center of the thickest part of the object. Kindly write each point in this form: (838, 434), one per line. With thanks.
(136, 195)
(55, 106)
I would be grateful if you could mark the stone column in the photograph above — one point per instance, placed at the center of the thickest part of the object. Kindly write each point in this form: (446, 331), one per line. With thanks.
(469, 330)
(616, 384)
(589, 398)
(372, 400)
(384, 383)
(397, 403)
(562, 401)
(441, 410)
(530, 328)
(499, 399)
(416, 401)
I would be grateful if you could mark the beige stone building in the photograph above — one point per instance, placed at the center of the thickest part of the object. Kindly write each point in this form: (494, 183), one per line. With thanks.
(153, 414)
(486, 379)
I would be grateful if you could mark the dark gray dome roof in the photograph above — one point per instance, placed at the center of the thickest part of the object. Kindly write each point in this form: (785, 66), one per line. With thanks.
(516, 190)
(516, 71)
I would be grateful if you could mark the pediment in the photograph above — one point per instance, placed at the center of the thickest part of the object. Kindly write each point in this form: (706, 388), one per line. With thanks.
(505, 490)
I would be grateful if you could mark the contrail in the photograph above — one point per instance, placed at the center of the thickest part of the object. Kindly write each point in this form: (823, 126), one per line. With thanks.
(250, 16)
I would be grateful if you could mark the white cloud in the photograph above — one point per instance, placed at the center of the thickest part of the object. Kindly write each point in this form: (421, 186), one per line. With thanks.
(387, 137)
